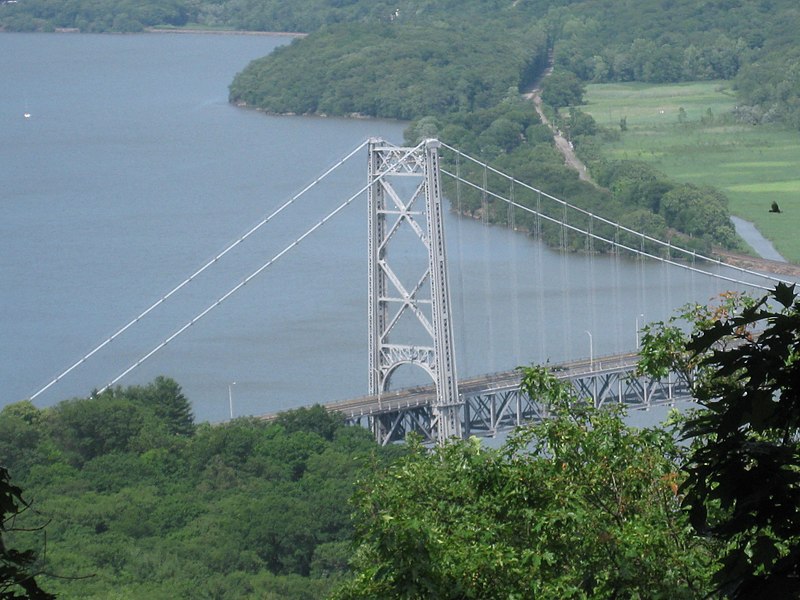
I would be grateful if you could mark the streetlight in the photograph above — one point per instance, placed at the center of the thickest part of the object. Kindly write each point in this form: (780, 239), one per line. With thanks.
(591, 351)
(230, 397)
(641, 316)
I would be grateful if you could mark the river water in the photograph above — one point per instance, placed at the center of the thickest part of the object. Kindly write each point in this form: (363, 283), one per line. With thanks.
(132, 170)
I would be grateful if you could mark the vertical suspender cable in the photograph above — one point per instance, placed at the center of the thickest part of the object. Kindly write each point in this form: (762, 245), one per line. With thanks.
(540, 310)
(566, 306)
(619, 316)
(515, 290)
(487, 279)
(668, 278)
(641, 288)
(593, 283)
(463, 359)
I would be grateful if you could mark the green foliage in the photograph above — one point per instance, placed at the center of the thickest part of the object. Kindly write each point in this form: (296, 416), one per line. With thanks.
(17, 567)
(120, 420)
(84, 429)
(699, 211)
(683, 41)
(151, 506)
(742, 487)
(563, 88)
(577, 506)
(93, 16)
(770, 89)
(313, 420)
(165, 398)
(393, 70)
(19, 433)
(664, 344)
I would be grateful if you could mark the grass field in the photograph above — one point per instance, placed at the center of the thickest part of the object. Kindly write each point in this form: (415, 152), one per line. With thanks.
(754, 166)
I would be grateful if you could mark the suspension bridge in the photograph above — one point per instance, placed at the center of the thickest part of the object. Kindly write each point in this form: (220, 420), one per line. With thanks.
(410, 306)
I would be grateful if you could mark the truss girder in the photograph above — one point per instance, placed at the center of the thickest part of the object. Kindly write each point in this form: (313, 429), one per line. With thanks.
(390, 300)
(488, 408)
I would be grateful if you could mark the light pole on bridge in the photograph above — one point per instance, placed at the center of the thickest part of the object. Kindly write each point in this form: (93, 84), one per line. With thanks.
(641, 316)
(230, 397)
(591, 351)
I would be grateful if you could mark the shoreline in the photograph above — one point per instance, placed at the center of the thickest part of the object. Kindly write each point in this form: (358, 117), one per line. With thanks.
(291, 34)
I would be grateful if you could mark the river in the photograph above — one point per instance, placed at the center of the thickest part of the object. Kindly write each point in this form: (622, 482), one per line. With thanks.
(132, 170)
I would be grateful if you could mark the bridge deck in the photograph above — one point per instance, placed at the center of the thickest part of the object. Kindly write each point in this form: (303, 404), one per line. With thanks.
(414, 397)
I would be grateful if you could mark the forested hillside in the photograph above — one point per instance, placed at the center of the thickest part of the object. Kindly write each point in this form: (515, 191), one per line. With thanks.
(141, 502)
(457, 68)
(400, 72)
(598, 40)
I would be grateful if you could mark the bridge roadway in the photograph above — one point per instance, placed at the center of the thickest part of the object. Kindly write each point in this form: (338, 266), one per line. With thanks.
(413, 397)
(492, 403)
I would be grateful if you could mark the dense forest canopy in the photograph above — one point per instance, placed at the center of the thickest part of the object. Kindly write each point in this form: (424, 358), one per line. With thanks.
(598, 40)
(390, 71)
(139, 501)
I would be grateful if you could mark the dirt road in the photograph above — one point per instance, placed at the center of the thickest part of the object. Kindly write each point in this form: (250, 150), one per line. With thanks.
(564, 146)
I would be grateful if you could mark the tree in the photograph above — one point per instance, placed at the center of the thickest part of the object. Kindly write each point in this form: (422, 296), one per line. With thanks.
(314, 419)
(563, 88)
(700, 212)
(85, 428)
(17, 579)
(20, 433)
(577, 506)
(743, 472)
(165, 398)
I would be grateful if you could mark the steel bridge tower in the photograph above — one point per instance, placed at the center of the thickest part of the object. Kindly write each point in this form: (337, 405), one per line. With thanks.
(409, 310)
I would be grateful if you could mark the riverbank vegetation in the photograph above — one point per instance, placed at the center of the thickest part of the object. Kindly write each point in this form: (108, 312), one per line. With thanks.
(391, 71)
(511, 137)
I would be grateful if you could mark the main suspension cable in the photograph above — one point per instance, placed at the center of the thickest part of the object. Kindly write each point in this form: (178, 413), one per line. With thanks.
(255, 273)
(636, 251)
(643, 236)
(191, 277)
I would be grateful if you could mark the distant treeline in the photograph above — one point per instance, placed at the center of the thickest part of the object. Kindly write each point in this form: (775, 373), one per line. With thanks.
(392, 71)
(753, 42)
(456, 69)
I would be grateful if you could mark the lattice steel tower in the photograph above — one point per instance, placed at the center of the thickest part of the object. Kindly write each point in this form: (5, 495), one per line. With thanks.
(407, 304)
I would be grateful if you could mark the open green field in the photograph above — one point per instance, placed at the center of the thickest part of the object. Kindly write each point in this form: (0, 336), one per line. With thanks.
(753, 165)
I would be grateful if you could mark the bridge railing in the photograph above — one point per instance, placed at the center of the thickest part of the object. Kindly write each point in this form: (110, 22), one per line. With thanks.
(493, 403)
